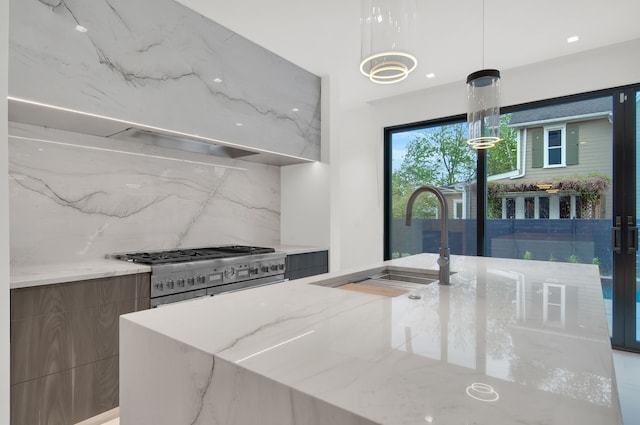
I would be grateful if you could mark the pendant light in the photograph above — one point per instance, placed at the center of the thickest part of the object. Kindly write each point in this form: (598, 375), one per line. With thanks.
(387, 32)
(483, 104)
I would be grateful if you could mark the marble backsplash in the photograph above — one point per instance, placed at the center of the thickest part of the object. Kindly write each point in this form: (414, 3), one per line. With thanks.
(75, 197)
(159, 63)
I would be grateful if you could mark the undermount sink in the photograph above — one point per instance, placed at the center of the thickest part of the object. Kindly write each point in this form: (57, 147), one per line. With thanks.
(402, 278)
(393, 277)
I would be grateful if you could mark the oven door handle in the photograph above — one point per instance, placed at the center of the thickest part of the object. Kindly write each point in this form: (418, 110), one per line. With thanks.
(246, 284)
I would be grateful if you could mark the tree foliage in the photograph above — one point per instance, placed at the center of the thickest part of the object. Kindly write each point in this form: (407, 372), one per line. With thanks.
(503, 157)
(440, 156)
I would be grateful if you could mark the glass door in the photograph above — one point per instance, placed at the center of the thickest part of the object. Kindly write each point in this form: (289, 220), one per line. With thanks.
(557, 203)
(634, 292)
(626, 291)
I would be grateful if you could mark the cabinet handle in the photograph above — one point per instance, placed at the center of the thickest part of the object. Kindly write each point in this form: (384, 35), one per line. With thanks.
(615, 236)
(632, 236)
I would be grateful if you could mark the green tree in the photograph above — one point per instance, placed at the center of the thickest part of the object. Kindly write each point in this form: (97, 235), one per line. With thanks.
(400, 192)
(444, 155)
(439, 156)
(502, 158)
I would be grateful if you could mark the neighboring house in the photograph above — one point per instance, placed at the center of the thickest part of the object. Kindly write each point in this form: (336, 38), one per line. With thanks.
(457, 200)
(564, 164)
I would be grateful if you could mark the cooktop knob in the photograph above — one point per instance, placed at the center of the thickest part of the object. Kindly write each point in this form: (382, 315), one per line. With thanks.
(274, 267)
(265, 268)
(200, 279)
(170, 284)
(191, 281)
(229, 272)
(159, 286)
(181, 283)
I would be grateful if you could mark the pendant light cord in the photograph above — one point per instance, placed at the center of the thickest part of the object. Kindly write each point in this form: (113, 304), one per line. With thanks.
(482, 34)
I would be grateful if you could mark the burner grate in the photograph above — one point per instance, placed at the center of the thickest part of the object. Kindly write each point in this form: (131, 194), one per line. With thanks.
(242, 249)
(196, 254)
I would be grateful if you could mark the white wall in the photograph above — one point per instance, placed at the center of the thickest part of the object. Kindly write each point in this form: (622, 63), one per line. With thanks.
(305, 186)
(4, 217)
(596, 69)
(358, 135)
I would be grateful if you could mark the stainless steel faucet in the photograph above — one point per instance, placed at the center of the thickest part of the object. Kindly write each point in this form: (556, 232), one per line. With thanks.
(443, 261)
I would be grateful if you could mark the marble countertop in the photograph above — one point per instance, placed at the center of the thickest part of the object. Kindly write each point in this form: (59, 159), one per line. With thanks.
(47, 274)
(510, 341)
(298, 249)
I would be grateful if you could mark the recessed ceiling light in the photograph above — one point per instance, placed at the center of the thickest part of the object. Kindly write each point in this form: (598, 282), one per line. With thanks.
(217, 80)
(295, 109)
(573, 39)
(239, 124)
(80, 28)
(430, 75)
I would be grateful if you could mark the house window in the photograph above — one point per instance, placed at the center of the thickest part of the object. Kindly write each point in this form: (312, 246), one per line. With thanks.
(554, 146)
(535, 207)
(554, 304)
(510, 208)
(530, 207)
(565, 207)
(458, 208)
(576, 206)
(543, 207)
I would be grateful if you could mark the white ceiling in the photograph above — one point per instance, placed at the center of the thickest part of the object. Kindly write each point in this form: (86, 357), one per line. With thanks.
(323, 36)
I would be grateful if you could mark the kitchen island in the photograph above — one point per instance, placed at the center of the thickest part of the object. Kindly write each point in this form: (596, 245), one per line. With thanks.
(509, 342)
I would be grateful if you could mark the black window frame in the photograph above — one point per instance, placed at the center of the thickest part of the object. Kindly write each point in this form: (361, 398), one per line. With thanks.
(452, 119)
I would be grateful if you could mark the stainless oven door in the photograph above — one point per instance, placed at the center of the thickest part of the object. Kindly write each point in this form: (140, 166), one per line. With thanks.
(239, 286)
(215, 290)
(182, 296)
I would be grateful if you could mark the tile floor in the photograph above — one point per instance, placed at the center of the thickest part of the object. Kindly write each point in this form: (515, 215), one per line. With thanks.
(112, 417)
(627, 367)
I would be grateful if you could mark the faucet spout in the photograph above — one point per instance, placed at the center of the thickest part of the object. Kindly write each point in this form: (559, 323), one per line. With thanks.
(443, 260)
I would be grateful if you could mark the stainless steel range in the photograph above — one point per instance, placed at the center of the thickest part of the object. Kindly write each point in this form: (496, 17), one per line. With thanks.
(182, 274)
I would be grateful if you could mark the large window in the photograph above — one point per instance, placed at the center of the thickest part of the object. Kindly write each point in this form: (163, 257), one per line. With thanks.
(555, 163)
(437, 154)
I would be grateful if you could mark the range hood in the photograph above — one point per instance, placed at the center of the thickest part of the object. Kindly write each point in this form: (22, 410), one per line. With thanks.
(50, 116)
(182, 143)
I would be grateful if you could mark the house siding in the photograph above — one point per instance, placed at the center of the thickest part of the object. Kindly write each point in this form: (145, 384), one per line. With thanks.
(595, 156)
(451, 199)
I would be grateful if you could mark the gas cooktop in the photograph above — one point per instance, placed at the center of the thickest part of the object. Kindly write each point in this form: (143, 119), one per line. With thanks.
(192, 254)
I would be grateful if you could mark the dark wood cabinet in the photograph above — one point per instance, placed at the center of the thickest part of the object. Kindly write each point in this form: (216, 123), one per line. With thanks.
(306, 264)
(64, 347)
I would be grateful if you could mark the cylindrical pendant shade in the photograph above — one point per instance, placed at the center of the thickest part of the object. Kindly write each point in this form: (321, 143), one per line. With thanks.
(388, 28)
(483, 111)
